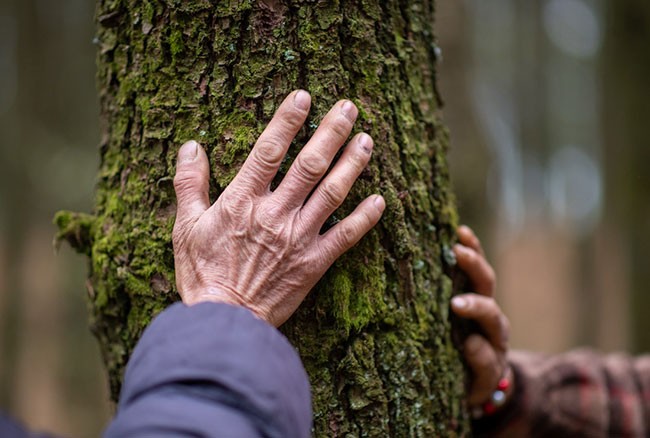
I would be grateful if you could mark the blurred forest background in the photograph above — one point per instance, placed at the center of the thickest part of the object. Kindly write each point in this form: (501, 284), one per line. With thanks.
(547, 102)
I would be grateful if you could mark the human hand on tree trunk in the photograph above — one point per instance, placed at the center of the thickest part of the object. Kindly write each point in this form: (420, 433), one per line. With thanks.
(262, 249)
(485, 353)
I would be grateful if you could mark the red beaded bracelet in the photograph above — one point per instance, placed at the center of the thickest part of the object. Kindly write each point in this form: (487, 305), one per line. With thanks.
(498, 397)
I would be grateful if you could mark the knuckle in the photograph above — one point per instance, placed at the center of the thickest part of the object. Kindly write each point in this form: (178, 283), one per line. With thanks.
(270, 215)
(292, 120)
(322, 253)
(340, 127)
(348, 233)
(357, 160)
(234, 205)
(505, 324)
(490, 276)
(505, 331)
(496, 318)
(332, 194)
(270, 225)
(311, 166)
(467, 256)
(473, 346)
(484, 362)
(269, 151)
(367, 218)
(185, 180)
(472, 257)
(366, 221)
(495, 373)
(274, 223)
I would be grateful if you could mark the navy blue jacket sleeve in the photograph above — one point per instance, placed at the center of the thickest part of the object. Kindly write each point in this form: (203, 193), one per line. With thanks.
(10, 428)
(213, 370)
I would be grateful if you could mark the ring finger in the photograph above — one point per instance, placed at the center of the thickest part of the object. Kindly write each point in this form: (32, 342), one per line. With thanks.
(331, 192)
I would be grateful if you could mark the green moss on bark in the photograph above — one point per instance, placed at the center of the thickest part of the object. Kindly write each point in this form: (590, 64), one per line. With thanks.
(374, 334)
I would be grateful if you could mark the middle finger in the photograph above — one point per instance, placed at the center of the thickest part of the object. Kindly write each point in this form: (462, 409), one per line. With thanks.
(313, 161)
(487, 313)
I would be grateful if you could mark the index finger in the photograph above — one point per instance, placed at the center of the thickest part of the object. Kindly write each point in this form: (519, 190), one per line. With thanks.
(264, 160)
(479, 271)
(467, 237)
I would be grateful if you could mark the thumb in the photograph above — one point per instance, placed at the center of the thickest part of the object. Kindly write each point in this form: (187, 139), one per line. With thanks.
(191, 182)
(484, 363)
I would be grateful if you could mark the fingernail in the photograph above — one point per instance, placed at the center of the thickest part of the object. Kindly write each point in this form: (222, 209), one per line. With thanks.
(365, 142)
(459, 302)
(188, 152)
(380, 204)
(349, 110)
(302, 100)
(460, 249)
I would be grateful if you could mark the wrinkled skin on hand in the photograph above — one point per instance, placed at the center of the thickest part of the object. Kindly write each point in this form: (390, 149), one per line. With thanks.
(485, 354)
(262, 249)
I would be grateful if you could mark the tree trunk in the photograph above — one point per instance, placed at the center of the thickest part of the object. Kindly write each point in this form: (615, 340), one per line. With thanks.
(374, 334)
(627, 114)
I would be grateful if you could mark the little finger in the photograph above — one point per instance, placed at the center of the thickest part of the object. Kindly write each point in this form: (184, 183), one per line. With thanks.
(350, 230)
(486, 368)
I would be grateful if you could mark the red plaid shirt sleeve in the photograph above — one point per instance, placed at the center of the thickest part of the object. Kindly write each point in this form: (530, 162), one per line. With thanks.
(577, 394)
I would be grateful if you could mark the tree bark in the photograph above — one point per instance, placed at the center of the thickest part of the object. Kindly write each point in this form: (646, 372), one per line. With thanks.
(626, 115)
(374, 334)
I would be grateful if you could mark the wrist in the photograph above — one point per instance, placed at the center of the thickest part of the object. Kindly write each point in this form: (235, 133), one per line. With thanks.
(221, 296)
(500, 397)
(210, 294)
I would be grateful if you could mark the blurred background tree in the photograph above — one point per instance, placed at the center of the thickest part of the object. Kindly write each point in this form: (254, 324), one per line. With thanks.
(567, 227)
(50, 371)
(531, 86)
(543, 101)
(625, 121)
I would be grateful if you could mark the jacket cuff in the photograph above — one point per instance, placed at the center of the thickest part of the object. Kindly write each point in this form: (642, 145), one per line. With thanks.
(241, 359)
(498, 423)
